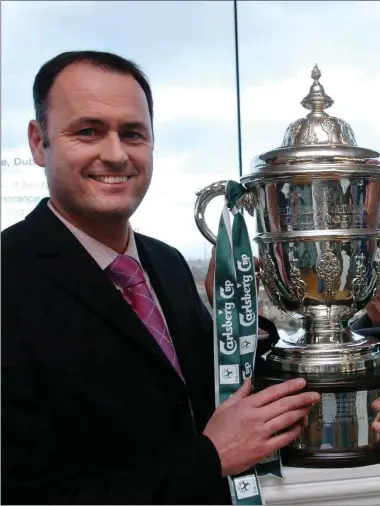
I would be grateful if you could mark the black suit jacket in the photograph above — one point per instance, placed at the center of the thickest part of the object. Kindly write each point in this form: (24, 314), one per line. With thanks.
(92, 411)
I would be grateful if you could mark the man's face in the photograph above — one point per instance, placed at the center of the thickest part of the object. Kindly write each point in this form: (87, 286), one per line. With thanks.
(99, 159)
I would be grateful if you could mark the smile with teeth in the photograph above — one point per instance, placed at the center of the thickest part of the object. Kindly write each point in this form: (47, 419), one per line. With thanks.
(111, 179)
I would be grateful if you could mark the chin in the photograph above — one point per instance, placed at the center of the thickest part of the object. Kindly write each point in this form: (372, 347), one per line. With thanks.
(117, 211)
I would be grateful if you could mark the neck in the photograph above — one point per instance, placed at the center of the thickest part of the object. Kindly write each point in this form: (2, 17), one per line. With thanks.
(115, 236)
(111, 231)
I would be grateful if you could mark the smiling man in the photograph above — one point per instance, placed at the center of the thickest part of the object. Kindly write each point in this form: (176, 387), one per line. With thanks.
(93, 180)
(107, 349)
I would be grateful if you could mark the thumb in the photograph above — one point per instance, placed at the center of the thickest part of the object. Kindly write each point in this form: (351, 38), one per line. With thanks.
(244, 391)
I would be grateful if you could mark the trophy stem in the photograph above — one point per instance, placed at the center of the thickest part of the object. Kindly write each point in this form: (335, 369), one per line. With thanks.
(324, 331)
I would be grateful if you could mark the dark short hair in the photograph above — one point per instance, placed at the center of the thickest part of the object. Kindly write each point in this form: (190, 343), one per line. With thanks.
(49, 72)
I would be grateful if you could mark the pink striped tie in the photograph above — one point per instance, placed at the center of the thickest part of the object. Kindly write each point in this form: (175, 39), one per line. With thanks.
(127, 273)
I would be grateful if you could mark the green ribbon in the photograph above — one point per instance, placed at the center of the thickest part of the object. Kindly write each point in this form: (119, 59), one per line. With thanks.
(236, 329)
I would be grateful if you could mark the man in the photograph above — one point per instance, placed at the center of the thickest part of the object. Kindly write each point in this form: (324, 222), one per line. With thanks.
(107, 352)
(107, 380)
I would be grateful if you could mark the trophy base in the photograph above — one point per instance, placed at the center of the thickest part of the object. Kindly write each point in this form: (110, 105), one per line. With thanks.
(338, 432)
(331, 458)
(352, 352)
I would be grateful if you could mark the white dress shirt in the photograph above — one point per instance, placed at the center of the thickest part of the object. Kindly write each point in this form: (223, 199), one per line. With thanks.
(102, 254)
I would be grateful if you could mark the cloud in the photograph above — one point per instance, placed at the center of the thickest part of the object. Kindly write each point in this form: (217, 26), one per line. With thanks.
(187, 50)
(204, 118)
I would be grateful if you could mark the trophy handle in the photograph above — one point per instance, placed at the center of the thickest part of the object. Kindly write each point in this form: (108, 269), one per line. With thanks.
(205, 196)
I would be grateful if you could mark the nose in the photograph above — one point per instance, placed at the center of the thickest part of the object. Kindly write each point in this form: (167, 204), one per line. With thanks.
(112, 150)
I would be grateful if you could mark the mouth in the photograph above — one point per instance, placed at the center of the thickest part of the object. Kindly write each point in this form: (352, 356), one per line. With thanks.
(110, 179)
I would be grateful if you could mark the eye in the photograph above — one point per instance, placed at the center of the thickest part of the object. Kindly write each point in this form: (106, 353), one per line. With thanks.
(131, 135)
(86, 132)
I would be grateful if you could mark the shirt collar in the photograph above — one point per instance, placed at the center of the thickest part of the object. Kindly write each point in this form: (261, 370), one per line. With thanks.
(102, 254)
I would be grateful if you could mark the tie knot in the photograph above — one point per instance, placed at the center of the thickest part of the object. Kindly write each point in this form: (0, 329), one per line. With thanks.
(126, 272)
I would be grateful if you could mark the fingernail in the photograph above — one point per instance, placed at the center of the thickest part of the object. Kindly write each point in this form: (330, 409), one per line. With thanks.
(376, 405)
(314, 396)
(300, 382)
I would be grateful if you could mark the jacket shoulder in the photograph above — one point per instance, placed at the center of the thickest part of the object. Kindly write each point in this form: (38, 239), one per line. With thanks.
(158, 246)
(13, 237)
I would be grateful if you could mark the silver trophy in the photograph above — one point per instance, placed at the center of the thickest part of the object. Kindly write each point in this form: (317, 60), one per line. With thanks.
(316, 201)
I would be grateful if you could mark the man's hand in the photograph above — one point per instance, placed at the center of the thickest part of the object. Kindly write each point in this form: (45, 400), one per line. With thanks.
(209, 281)
(243, 428)
(376, 423)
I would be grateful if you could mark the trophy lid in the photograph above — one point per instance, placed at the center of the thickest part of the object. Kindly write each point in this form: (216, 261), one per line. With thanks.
(317, 144)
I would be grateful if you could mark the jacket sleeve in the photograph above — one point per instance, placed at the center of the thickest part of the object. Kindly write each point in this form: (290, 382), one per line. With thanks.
(32, 472)
(365, 327)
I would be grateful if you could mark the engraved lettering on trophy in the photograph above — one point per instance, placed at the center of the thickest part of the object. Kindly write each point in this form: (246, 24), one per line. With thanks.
(329, 270)
(307, 217)
(359, 283)
(338, 408)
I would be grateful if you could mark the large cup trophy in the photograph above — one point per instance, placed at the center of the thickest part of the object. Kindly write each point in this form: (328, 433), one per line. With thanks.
(316, 201)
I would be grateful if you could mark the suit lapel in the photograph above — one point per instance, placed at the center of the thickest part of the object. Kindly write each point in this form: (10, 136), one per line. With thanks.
(156, 266)
(59, 254)
(164, 283)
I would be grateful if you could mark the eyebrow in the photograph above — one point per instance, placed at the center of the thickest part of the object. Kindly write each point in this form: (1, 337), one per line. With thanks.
(138, 125)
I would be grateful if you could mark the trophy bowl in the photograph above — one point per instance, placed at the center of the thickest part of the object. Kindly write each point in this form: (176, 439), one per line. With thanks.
(316, 203)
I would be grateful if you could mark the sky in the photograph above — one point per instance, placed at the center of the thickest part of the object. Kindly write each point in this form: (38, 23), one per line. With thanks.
(187, 51)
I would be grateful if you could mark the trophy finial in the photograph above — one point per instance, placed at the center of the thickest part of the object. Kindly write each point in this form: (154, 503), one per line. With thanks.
(316, 73)
(317, 100)
(318, 127)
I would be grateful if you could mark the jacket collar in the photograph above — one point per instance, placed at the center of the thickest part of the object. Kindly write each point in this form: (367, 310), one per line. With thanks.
(58, 253)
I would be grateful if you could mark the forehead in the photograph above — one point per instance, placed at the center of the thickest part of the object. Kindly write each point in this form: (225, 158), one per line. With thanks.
(83, 89)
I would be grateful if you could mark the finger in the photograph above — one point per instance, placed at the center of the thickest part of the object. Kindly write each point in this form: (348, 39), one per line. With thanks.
(376, 420)
(376, 427)
(286, 420)
(280, 440)
(213, 253)
(244, 391)
(209, 281)
(373, 311)
(376, 405)
(288, 403)
(275, 392)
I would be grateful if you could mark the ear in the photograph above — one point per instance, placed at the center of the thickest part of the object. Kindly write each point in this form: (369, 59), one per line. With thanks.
(35, 138)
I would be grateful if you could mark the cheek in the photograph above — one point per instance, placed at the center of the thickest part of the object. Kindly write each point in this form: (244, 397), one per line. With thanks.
(79, 159)
(144, 163)
(63, 171)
